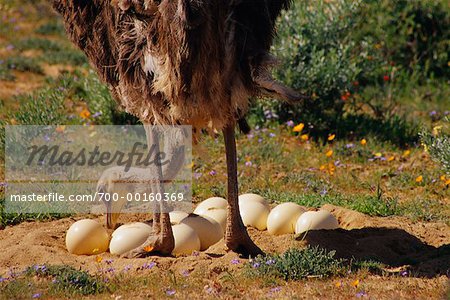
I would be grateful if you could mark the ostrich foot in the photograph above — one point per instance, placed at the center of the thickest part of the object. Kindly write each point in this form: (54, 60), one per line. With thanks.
(240, 242)
(154, 244)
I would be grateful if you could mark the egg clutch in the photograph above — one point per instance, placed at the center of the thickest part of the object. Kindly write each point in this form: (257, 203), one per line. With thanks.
(201, 229)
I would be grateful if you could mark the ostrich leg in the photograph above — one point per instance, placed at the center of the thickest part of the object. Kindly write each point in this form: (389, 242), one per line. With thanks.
(161, 240)
(236, 236)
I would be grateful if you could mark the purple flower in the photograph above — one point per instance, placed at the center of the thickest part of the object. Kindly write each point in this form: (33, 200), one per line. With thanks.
(109, 261)
(275, 289)
(2, 279)
(3, 184)
(110, 270)
(149, 265)
(290, 123)
(361, 294)
(185, 273)
(323, 192)
(54, 281)
(404, 273)
(212, 172)
(248, 163)
(272, 134)
(127, 268)
(37, 295)
(170, 292)
(433, 113)
(270, 262)
(97, 114)
(256, 265)
(47, 138)
(195, 253)
(446, 113)
(350, 145)
(250, 136)
(260, 140)
(235, 261)
(197, 175)
(10, 48)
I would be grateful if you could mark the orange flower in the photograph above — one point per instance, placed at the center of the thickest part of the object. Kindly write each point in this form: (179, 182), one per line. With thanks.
(338, 284)
(98, 258)
(447, 182)
(391, 158)
(406, 153)
(148, 248)
(355, 283)
(363, 142)
(85, 114)
(331, 137)
(60, 129)
(419, 179)
(442, 178)
(329, 153)
(299, 127)
(322, 167)
(304, 137)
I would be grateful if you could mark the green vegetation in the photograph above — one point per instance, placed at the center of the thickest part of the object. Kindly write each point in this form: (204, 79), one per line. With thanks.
(309, 262)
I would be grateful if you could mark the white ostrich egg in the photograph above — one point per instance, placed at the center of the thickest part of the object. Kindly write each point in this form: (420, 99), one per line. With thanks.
(283, 217)
(176, 216)
(315, 220)
(214, 202)
(87, 237)
(128, 237)
(217, 214)
(254, 214)
(207, 229)
(253, 197)
(186, 240)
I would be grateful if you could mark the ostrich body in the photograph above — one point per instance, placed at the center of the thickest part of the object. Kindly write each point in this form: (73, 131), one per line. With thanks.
(187, 62)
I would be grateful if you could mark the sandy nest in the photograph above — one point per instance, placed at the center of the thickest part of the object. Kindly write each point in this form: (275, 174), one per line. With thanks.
(395, 241)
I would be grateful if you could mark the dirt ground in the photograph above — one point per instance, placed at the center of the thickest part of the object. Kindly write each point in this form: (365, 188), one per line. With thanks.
(421, 248)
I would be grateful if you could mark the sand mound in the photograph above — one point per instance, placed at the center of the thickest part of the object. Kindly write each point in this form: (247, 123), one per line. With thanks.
(394, 241)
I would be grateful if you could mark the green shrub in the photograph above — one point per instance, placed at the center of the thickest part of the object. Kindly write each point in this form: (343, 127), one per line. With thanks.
(296, 264)
(68, 279)
(24, 64)
(51, 28)
(438, 145)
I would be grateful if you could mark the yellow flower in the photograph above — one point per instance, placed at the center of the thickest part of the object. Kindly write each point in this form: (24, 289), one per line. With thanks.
(378, 154)
(406, 153)
(304, 137)
(442, 178)
(363, 142)
(419, 179)
(329, 153)
(322, 167)
(331, 137)
(338, 284)
(447, 182)
(299, 127)
(85, 114)
(189, 166)
(436, 130)
(355, 283)
(391, 158)
(98, 258)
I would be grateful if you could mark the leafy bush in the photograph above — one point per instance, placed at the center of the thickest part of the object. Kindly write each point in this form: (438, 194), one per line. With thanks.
(355, 58)
(24, 64)
(51, 28)
(296, 264)
(438, 145)
(68, 279)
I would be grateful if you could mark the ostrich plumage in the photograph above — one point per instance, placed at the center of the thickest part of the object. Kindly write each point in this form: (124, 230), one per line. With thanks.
(190, 62)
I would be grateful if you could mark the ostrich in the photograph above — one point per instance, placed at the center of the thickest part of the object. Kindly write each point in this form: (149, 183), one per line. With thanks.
(172, 62)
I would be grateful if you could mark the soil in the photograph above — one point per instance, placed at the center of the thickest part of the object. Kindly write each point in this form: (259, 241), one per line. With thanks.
(423, 248)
